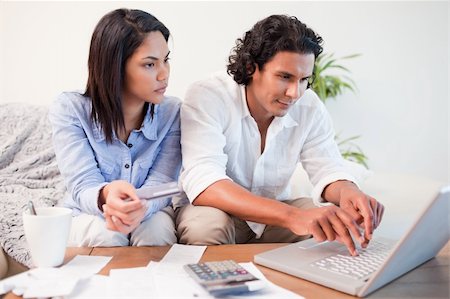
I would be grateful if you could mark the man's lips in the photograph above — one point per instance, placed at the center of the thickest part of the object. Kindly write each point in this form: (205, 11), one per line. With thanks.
(284, 103)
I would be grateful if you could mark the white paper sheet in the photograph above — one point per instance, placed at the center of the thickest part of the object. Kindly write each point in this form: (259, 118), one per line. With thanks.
(97, 286)
(18, 282)
(183, 254)
(157, 280)
(271, 291)
(85, 265)
(173, 282)
(52, 282)
(132, 282)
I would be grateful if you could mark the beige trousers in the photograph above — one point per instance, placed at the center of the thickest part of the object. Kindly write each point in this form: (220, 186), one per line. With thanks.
(200, 225)
(89, 230)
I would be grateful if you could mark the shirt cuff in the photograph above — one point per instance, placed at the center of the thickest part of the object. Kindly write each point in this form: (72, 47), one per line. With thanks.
(89, 200)
(320, 186)
(156, 205)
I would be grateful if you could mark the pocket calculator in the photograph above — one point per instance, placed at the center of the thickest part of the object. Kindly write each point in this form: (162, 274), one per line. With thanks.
(224, 278)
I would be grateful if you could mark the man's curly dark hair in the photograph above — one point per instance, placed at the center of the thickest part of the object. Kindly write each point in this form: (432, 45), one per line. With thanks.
(268, 37)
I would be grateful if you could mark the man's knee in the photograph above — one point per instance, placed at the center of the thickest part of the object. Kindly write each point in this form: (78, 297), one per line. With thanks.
(199, 225)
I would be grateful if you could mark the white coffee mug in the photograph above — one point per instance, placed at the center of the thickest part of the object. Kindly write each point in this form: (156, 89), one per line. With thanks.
(47, 234)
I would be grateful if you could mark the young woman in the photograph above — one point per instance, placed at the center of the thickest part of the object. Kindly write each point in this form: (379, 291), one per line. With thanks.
(122, 134)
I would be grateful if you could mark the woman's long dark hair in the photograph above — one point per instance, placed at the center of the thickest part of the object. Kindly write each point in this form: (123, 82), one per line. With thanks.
(268, 37)
(115, 38)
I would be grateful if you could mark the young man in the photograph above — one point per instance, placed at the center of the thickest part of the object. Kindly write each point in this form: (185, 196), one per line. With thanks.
(242, 137)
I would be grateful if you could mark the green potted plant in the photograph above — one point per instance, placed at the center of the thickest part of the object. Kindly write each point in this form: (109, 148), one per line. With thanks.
(328, 86)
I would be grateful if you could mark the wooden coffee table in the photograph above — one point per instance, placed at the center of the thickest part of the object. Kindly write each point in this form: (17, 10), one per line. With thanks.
(430, 280)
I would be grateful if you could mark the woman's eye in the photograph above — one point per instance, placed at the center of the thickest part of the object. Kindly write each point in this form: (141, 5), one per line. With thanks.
(150, 65)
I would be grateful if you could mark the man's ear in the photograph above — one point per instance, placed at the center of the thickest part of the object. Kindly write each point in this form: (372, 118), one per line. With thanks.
(251, 68)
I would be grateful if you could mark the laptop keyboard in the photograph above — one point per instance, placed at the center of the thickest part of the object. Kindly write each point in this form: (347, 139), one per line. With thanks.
(356, 267)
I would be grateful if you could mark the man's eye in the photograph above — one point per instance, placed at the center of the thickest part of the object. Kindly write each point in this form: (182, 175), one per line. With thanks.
(285, 77)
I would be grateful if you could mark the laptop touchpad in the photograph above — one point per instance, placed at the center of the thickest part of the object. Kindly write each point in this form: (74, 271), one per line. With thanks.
(311, 243)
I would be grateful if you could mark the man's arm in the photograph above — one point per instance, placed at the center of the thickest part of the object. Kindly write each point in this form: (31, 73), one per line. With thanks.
(323, 162)
(325, 223)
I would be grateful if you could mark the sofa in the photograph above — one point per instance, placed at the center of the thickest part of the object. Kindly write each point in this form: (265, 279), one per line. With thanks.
(28, 170)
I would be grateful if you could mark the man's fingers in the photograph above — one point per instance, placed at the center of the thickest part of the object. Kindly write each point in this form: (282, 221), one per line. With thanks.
(342, 223)
(347, 240)
(374, 205)
(350, 224)
(367, 213)
(327, 229)
(317, 232)
(380, 212)
(356, 216)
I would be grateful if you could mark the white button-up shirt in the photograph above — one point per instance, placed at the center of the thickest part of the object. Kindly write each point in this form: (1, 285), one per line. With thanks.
(220, 140)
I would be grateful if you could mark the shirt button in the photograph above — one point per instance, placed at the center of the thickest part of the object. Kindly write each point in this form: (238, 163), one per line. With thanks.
(130, 145)
(127, 165)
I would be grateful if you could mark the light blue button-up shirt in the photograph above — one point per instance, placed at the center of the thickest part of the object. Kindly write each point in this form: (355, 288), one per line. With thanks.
(151, 156)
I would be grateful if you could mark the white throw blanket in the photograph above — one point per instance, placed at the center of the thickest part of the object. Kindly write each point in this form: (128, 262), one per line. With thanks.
(28, 171)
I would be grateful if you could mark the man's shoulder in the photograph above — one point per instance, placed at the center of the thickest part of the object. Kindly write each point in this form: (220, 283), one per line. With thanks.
(217, 92)
(218, 82)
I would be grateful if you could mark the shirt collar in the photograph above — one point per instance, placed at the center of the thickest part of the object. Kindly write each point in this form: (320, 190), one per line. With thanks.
(287, 121)
(244, 108)
(149, 127)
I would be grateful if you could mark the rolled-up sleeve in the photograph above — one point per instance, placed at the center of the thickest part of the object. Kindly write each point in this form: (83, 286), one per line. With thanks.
(75, 157)
(202, 140)
(320, 156)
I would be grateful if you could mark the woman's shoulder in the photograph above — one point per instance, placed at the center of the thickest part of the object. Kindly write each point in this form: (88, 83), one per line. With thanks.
(170, 103)
(71, 100)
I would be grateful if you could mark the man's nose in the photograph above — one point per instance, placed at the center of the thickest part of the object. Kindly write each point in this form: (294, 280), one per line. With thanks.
(293, 91)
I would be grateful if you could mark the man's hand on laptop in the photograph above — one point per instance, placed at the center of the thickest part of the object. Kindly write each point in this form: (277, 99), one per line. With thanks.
(328, 224)
(364, 209)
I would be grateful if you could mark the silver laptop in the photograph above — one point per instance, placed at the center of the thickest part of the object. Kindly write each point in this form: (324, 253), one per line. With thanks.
(330, 264)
